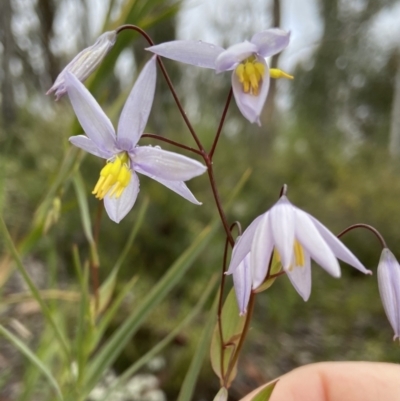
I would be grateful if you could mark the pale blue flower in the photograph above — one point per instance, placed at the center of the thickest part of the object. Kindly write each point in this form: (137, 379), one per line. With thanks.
(389, 288)
(118, 184)
(250, 77)
(85, 62)
(297, 237)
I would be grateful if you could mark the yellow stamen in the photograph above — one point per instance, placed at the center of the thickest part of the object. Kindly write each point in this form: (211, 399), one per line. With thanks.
(250, 73)
(276, 73)
(299, 259)
(298, 255)
(114, 177)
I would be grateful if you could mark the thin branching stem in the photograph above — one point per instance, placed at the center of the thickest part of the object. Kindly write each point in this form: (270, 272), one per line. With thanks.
(167, 79)
(367, 227)
(221, 294)
(180, 145)
(206, 157)
(221, 123)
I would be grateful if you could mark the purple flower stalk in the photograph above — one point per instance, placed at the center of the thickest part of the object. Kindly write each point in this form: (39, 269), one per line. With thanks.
(118, 184)
(84, 63)
(297, 237)
(250, 77)
(389, 288)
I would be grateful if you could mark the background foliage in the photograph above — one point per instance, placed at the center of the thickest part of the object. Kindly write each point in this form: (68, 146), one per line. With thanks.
(331, 135)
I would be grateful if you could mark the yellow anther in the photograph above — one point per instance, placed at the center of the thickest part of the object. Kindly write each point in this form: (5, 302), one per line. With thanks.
(277, 73)
(250, 73)
(240, 72)
(299, 259)
(114, 177)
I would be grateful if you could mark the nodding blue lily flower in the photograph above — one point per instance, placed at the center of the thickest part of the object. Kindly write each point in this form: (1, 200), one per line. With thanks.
(118, 184)
(389, 288)
(296, 237)
(251, 75)
(85, 62)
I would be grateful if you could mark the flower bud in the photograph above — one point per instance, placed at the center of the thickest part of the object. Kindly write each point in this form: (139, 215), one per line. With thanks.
(389, 288)
(85, 62)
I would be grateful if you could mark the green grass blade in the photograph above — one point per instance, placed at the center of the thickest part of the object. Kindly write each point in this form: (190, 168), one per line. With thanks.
(32, 287)
(32, 357)
(165, 341)
(83, 206)
(114, 346)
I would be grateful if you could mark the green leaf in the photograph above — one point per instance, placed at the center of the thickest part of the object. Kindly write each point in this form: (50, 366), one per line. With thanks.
(265, 393)
(232, 326)
(32, 357)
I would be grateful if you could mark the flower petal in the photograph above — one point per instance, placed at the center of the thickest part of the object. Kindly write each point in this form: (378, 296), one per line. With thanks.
(164, 164)
(85, 143)
(261, 251)
(340, 251)
(300, 277)
(242, 284)
(270, 41)
(282, 226)
(389, 288)
(85, 62)
(243, 245)
(194, 52)
(135, 113)
(233, 55)
(250, 105)
(94, 122)
(118, 208)
(312, 241)
(177, 186)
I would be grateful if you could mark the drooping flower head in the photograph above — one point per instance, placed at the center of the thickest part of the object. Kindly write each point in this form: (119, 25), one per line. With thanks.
(250, 77)
(85, 62)
(389, 288)
(118, 184)
(296, 237)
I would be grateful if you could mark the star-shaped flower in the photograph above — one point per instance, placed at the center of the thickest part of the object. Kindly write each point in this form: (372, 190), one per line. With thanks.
(118, 184)
(85, 62)
(250, 77)
(297, 237)
(389, 288)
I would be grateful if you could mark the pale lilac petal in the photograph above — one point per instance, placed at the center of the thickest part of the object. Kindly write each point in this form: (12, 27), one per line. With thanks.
(242, 284)
(249, 105)
(135, 113)
(243, 245)
(312, 241)
(233, 55)
(194, 52)
(300, 277)
(177, 186)
(118, 208)
(340, 251)
(389, 288)
(165, 165)
(271, 41)
(85, 143)
(94, 122)
(261, 251)
(282, 226)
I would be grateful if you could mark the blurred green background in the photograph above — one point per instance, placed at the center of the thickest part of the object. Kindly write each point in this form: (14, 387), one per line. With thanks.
(332, 135)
